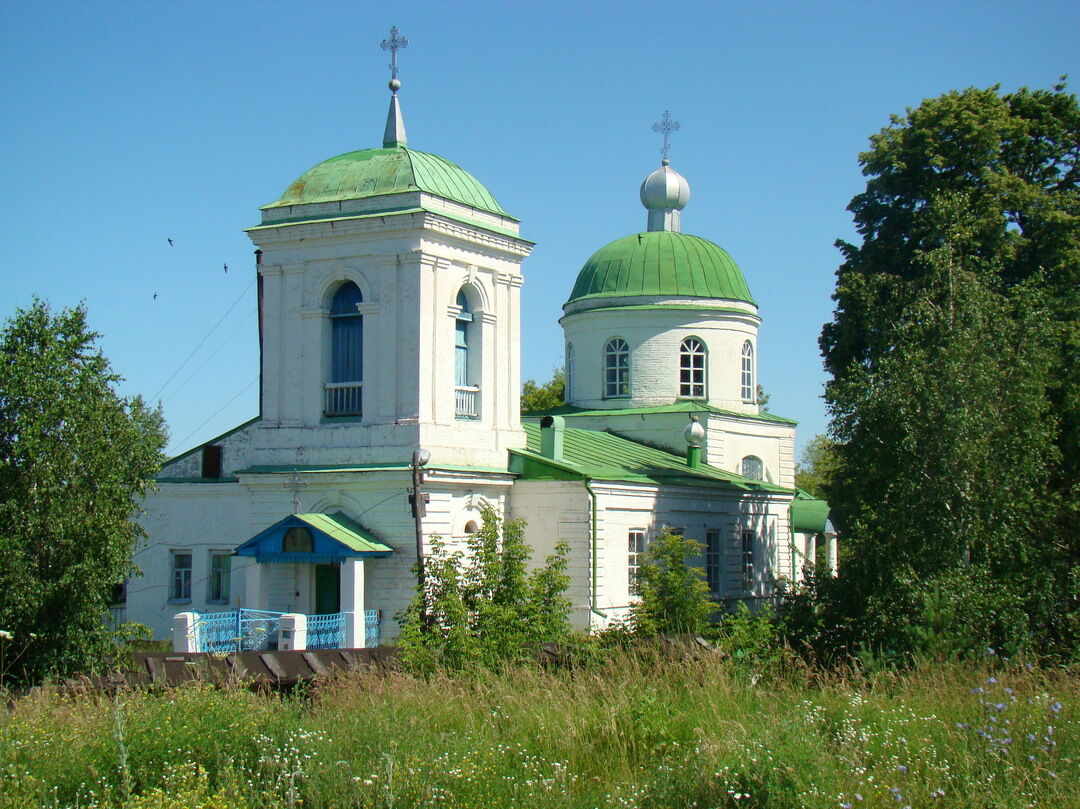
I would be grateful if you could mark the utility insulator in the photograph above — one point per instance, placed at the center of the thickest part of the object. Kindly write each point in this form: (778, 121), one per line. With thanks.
(425, 498)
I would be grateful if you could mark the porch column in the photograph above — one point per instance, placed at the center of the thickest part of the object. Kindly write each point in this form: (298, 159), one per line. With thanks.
(352, 601)
(830, 549)
(352, 585)
(255, 590)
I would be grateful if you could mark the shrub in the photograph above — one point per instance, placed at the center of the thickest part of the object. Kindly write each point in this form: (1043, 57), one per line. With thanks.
(674, 594)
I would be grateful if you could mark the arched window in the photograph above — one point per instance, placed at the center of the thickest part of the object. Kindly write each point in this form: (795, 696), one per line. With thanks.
(343, 390)
(466, 376)
(616, 368)
(568, 394)
(692, 368)
(297, 540)
(747, 372)
(753, 467)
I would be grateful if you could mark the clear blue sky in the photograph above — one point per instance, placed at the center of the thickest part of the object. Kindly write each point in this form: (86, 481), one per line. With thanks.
(126, 124)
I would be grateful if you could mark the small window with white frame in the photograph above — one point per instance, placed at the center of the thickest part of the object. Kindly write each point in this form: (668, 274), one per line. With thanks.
(180, 587)
(714, 560)
(692, 368)
(568, 393)
(616, 368)
(220, 579)
(636, 553)
(748, 372)
(747, 559)
(752, 467)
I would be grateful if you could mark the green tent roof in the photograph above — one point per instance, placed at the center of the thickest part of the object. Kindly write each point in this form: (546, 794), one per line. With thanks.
(606, 456)
(375, 172)
(661, 263)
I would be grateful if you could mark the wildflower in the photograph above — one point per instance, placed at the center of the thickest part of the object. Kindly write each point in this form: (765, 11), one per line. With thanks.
(977, 691)
(858, 797)
(991, 680)
(901, 768)
(989, 650)
(1000, 706)
(938, 793)
(5, 635)
(1056, 707)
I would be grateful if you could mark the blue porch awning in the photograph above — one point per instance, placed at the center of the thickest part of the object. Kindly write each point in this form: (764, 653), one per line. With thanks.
(313, 539)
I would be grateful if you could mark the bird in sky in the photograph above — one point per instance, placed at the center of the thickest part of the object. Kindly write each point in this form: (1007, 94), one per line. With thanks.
(155, 296)
(170, 243)
(226, 269)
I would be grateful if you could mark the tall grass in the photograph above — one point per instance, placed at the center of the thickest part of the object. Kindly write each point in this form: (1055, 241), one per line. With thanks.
(635, 731)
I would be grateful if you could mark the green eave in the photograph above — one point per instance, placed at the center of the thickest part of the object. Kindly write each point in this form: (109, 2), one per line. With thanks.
(395, 466)
(704, 306)
(596, 455)
(382, 214)
(677, 407)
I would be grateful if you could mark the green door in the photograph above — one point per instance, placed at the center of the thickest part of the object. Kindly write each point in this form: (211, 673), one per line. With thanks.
(327, 589)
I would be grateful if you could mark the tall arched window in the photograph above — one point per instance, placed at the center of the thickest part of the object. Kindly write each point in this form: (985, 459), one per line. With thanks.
(343, 390)
(692, 368)
(616, 368)
(568, 394)
(747, 372)
(466, 377)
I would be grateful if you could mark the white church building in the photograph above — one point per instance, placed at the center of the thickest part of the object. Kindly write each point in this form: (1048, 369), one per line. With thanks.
(389, 292)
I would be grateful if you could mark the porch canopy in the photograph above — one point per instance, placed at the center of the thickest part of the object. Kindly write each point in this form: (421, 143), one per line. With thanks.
(313, 539)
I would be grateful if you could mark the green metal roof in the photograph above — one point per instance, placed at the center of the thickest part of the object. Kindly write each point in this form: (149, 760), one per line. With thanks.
(677, 407)
(809, 516)
(374, 172)
(661, 263)
(346, 531)
(604, 456)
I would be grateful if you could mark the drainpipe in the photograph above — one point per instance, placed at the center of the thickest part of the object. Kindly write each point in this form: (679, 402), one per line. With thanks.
(593, 543)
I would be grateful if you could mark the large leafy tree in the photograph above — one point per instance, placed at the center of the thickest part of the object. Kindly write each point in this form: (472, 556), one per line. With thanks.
(955, 361)
(541, 397)
(75, 458)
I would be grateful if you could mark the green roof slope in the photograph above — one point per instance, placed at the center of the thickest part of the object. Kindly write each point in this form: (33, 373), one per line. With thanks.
(606, 456)
(375, 172)
(676, 407)
(664, 263)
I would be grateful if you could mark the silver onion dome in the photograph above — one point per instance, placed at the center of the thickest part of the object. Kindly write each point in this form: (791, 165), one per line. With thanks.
(664, 194)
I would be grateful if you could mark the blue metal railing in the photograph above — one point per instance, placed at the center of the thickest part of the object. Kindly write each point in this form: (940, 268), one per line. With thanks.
(236, 630)
(371, 628)
(326, 631)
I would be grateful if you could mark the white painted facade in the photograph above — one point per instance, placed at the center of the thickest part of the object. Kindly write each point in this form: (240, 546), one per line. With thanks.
(410, 255)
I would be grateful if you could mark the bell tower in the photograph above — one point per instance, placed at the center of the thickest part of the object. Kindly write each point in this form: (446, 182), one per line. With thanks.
(389, 308)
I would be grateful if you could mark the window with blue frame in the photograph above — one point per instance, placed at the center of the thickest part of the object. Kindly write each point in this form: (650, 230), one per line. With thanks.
(466, 361)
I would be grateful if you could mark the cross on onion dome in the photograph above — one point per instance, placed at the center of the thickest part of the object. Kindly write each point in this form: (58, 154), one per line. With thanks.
(394, 44)
(665, 126)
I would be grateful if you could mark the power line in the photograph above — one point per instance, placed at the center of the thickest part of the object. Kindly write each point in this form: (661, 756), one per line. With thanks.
(203, 340)
(221, 345)
(212, 415)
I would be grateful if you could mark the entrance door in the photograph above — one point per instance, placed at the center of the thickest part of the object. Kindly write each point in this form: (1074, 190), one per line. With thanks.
(327, 589)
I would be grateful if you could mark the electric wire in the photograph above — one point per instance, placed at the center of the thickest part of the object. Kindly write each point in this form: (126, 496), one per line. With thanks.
(203, 340)
(182, 441)
(214, 353)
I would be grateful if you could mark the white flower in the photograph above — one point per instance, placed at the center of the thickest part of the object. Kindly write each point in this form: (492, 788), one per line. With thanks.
(5, 635)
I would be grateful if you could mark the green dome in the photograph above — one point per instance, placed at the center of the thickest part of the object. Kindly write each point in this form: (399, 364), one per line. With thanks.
(664, 263)
(374, 172)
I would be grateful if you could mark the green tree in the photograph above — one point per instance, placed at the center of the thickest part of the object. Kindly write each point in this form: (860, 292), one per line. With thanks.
(673, 590)
(483, 606)
(541, 397)
(814, 471)
(955, 360)
(75, 459)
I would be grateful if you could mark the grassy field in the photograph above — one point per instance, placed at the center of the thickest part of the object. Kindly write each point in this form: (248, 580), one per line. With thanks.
(633, 732)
